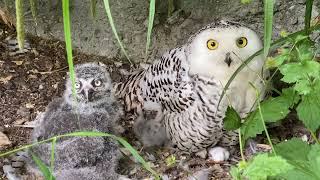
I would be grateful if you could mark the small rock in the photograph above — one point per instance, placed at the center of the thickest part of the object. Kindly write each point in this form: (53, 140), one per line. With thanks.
(41, 87)
(4, 140)
(23, 111)
(200, 175)
(17, 164)
(305, 138)
(29, 105)
(219, 154)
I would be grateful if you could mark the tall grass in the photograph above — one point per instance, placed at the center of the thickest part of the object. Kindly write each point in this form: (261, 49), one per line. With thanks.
(20, 23)
(152, 9)
(268, 20)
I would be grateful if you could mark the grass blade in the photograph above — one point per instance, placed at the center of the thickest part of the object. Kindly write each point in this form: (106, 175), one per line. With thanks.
(67, 36)
(33, 7)
(247, 61)
(20, 23)
(53, 144)
(268, 19)
(93, 9)
(136, 155)
(307, 17)
(114, 30)
(43, 168)
(152, 10)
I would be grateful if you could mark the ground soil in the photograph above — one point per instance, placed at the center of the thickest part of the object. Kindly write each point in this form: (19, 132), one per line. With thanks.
(37, 77)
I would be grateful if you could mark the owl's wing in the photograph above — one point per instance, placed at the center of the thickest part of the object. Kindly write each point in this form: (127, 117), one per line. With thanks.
(166, 83)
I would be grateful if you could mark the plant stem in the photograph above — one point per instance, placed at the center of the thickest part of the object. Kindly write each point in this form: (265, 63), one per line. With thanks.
(241, 146)
(314, 136)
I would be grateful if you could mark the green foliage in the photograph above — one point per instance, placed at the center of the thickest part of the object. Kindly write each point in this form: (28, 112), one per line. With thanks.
(268, 20)
(272, 109)
(93, 9)
(33, 7)
(232, 120)
(246, 1)
(304, 158)
(152, 10)
(113, 27)
(43, 168)
(171, 160)
(20, 23)
(67, 36)
(261, 167)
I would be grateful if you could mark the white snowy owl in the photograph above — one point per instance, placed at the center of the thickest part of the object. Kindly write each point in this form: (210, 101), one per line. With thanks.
(185, 84)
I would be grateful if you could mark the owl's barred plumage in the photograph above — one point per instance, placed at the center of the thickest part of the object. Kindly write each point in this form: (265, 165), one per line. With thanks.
(185, 84)
(95, 110)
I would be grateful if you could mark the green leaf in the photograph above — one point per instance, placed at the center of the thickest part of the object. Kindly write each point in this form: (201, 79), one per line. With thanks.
(268, 20)
(152, 10)
(296, 71)
(53, 145)
(93, 9)
(264, 166)
(308, 110)
(235, 173)
(246, 1)
(232, 120)
(277, 61)
(293, 150)
(33, 8)
(291, 96)
(171, 160)
(20, 23)
(273, 110)
(43, 168)
(303, 86)
(67, 37)
(88, 134)
(307, 16)
(314, 158)
(113, 27)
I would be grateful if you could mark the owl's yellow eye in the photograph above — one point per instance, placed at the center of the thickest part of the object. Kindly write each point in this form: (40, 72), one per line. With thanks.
(212, 44)
(242, 42)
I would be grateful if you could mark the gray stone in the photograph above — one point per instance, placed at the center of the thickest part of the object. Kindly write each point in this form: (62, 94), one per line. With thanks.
(131, 17)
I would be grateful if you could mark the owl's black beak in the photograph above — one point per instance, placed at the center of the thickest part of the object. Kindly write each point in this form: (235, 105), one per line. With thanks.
(88, 94)
(228, 59)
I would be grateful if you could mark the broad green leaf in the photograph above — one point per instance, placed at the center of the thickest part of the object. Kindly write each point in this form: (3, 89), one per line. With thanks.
(43, 168)
(273, 109)
(293, 150)
(296, 71)
(264, 166)
(235, 173)
(113, 27)
(296, 174)
(291, 96)
(309, 110)
(314, 159)
(277, 61)
(268, 20)
(232, 120)
(303, 86)
(152, 10)
(20, 23)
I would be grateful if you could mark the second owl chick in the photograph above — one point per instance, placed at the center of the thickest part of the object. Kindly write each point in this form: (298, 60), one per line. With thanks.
(94, 110)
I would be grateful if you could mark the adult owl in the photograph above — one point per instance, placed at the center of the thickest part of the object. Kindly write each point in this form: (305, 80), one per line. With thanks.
(185, 85)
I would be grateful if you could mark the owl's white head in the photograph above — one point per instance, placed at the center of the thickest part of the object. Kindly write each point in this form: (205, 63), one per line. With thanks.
(219, 49)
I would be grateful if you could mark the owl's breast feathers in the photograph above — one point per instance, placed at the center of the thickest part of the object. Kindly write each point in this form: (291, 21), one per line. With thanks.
(165, 84)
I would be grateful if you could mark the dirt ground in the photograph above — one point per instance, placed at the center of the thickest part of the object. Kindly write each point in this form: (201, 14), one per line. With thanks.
(30, 81)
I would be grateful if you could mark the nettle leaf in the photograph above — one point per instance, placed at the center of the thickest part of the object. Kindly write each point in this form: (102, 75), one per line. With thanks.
(264, 166)
(308, 110)
(273, 110)
(303, 86)
(291, 96)
(232, 120)
(314, 158)
(296, 71)
(294, 150)
(305, 159)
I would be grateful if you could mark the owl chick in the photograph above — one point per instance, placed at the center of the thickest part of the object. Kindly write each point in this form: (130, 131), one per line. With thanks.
(94, 109)
(185, 84)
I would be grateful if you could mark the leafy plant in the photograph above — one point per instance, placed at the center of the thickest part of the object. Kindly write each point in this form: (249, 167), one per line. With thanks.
(296, 62)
